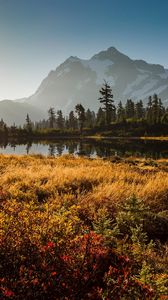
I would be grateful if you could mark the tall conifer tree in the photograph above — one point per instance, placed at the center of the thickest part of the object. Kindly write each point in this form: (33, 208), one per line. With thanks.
(107, 100)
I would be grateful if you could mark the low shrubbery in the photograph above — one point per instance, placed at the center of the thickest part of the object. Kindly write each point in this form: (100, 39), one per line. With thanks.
(71, 229)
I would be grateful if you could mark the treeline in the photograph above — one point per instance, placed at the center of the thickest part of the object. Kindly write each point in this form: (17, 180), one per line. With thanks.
(153, 113)
(108, 116)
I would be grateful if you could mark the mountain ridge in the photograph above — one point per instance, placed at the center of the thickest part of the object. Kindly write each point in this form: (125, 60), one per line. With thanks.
(129, 78)
(78, 80)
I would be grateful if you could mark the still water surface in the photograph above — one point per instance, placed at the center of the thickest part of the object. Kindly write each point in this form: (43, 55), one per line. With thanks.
(90, 148)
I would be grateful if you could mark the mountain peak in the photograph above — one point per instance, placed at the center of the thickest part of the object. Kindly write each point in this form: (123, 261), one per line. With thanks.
(112, 50)
(79, 80)
(112, 54)
(72, 59)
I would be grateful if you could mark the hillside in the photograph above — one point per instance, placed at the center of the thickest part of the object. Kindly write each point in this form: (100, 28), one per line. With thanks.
(15, 112)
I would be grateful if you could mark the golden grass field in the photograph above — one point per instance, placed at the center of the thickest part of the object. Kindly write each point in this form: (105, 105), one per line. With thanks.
(46, 199)
(95, 180)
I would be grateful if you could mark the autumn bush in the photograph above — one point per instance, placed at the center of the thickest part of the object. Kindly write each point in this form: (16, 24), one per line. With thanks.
(77, 228)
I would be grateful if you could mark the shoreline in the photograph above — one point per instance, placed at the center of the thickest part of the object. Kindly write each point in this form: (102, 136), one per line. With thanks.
(83, 137)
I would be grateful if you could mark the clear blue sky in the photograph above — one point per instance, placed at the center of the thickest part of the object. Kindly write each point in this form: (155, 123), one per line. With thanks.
(37, 35)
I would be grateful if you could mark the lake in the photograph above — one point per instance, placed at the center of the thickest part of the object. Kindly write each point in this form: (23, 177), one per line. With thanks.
(90, 148)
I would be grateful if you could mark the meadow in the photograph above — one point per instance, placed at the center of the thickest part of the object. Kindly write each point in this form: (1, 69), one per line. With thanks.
(80, 228)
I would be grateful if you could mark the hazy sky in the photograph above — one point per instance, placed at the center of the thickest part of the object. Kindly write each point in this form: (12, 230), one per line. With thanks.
(37, 35)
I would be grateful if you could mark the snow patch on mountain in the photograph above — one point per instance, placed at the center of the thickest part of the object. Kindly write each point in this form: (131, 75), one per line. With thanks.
(164, 75)
(100, 67)
(146, 90)
(134, 84)
(161, 89)
(62, 72)
(82, 79)
(143, 71)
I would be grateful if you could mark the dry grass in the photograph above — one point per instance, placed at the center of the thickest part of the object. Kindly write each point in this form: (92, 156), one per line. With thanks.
(48, 205)
(155, 138)
(40, 178)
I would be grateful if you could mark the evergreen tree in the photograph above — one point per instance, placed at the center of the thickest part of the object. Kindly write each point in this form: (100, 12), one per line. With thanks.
(93, 118)
(13, 129)
(79, 109)
(3, 128)
(2, 123)
(113, 115)
(108, 103)
(100, 118)
(155, 109)
(164, 119)
(120, 112)
(66, 122)
(52, 117)
(130, 109)
(161, 111)
(89, 118)
(139, 110)
(72, 122)
(28, 123)
(60, 121)
(149, 110)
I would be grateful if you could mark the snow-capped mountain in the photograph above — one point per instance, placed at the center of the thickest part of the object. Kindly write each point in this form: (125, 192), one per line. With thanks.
(78, 80)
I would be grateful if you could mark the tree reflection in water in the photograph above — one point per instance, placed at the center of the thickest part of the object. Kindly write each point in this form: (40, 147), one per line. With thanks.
(51, 150)
(102, 148)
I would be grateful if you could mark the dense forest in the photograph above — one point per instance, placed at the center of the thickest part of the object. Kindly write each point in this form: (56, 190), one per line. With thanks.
(131, 119)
